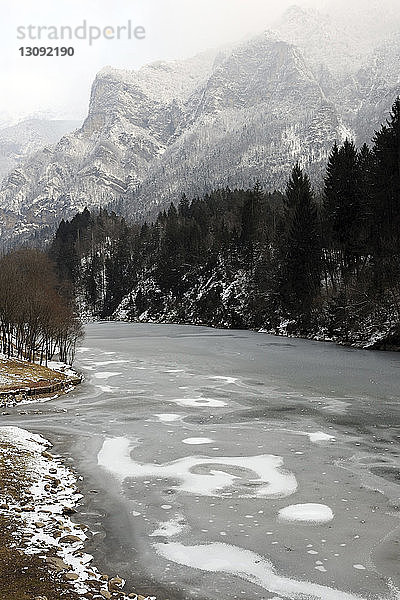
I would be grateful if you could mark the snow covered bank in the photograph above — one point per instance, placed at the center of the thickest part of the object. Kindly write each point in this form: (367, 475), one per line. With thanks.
(44, 503)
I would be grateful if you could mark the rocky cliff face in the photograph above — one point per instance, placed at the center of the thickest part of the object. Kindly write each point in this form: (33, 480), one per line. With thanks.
(28, 136)
(225, 118)
(132, 118)
(262, 108)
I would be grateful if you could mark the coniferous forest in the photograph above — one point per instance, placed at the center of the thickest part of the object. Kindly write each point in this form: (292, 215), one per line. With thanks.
(317, 263)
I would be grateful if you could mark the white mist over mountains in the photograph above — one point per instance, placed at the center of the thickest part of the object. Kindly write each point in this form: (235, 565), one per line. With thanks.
(59, 88)
(229, 116)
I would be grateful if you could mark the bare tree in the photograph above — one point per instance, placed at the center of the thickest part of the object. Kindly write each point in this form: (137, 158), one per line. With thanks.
(37, 318)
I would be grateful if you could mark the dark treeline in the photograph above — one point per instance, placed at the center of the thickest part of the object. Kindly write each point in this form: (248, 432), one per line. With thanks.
(37, 316)
(325, 264)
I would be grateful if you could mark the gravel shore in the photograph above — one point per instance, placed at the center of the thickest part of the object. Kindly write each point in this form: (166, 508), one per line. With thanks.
(39, 498)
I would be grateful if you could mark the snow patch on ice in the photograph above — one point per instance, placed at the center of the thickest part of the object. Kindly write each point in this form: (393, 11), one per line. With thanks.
(197, 441)
(219, 557)
(320, 436)
(314, 436)
(106, 374)
(104, 363)
(170, 528)
(251, 477)
(168, 417)
(193, 402)
(107, 388)
(312, 513)
(228, 380)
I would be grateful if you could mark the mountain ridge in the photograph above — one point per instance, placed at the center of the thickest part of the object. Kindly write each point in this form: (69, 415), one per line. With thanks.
(222, 118)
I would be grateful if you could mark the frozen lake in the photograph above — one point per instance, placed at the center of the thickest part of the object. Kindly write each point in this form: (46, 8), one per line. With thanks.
(231, 464)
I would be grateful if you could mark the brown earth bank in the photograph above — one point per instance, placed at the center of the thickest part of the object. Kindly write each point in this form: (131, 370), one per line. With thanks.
(42, 551)
(21, 381)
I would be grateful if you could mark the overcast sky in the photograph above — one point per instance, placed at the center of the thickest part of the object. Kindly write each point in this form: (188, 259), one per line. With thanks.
(175, 28)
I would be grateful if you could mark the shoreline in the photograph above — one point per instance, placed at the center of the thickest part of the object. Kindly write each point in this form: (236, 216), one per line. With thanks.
(37, 513)
(23, 382)
(376, 344)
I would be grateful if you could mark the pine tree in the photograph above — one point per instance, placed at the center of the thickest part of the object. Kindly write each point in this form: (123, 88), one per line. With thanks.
(171, 252)
(119, 271)
(251, 215)
(300, 249)
(386, 185)
(252, 225)
(365, 174)
(344, 207)
(385, 209)
(184, 207)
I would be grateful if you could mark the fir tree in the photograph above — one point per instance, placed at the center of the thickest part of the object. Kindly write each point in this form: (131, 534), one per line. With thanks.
(385, 210)
(386, 185)
(301, 255)
(184, 207)
(252, 225)
(344, 207)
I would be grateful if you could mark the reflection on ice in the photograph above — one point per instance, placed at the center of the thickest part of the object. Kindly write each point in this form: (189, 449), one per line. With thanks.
(247, 477)
(335, 405)
(105, 363)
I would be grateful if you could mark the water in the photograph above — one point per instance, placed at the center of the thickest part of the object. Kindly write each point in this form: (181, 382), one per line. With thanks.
(194, 444)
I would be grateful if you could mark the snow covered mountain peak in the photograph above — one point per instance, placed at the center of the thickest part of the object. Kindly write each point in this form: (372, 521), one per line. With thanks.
(322, 40)
(223, 118)
(165, 80)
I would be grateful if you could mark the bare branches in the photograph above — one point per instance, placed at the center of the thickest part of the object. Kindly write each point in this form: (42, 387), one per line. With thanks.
(36, 319)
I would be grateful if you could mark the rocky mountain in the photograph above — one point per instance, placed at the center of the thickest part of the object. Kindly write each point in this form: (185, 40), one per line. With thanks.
(131, 119)
(323, 43)
(19, 140)
(261, 109)
(224, 118)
